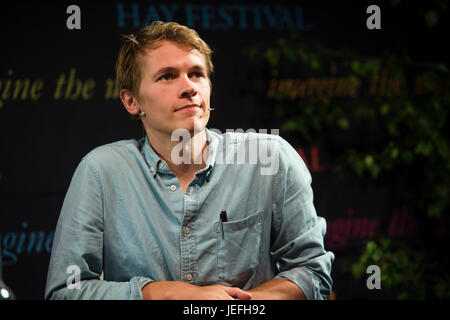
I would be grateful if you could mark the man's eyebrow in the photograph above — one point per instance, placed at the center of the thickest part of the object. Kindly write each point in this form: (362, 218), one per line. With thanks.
(198, 67)
(164, 70)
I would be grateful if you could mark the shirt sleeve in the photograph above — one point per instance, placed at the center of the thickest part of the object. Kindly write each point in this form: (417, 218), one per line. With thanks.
(298, 233)
(76, 261)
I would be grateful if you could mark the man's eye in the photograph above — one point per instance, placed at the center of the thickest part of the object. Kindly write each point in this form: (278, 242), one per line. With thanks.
(166, 77)
(197, 74)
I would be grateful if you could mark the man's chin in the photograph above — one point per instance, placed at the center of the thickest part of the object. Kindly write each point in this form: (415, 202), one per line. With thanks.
(194, 126)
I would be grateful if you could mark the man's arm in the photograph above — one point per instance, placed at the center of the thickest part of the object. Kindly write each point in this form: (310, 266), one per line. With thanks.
(78, 243)
(179, 290)
(297, 233)
(277, 289)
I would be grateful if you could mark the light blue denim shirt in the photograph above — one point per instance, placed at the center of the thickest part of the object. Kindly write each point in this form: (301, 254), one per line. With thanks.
(125, 215)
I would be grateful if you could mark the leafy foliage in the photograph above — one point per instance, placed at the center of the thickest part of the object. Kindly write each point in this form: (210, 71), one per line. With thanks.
(392, 114)
(408, 272)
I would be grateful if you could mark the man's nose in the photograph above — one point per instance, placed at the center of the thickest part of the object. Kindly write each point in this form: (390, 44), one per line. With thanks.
(187, 88)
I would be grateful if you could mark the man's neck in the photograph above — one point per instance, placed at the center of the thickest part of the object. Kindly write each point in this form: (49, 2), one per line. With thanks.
(188, 151)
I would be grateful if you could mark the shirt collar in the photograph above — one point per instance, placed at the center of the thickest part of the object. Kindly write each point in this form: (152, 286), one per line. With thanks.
(157, 164)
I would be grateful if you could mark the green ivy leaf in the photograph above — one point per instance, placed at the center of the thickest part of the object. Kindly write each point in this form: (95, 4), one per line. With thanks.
(371, 247)
(368, 160)
(423, 148)
(343, 123)
(384, 109)
(315, 64)
(356, 66)
(377, 255)
(290, 125)
(432, 18)
(273, 56)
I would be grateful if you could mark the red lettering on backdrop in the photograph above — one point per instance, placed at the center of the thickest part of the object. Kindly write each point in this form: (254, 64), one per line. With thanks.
(341, 230)
(393, 224)
(402, 224)
(313, 165)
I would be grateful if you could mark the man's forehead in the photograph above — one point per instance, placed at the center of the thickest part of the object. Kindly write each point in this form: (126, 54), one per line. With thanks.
(169, 53)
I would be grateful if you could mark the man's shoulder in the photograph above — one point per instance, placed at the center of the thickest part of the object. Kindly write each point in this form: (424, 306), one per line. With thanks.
(241, 136)
(110, 151)
(264, 141)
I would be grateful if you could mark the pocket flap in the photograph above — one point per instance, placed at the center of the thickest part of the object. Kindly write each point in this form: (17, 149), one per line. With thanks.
(233, 226)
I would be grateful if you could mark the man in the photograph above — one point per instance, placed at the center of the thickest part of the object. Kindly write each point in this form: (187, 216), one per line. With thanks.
(200, 228)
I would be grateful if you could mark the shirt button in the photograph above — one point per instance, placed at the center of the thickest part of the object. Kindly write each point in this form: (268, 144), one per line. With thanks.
(152, 169)
(189, 277)
(191, 190)
(186, 230)
(173, 187)
(160, 165)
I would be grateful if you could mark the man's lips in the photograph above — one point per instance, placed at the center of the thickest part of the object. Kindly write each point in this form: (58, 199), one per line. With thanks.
(189, 107)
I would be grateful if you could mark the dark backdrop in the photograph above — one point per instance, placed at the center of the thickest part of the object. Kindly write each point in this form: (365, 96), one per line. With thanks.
(43, 135)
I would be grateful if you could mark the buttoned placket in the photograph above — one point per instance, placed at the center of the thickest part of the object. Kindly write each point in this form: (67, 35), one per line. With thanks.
(187, 236)
(177, 201)
(186, 206)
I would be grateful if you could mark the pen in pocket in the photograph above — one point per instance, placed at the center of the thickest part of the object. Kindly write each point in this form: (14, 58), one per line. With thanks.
(223, 218)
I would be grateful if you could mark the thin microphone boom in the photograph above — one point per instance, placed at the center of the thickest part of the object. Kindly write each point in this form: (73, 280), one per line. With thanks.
(207, 114)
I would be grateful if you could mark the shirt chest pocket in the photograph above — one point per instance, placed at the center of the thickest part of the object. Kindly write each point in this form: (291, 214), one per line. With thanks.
(238, 249)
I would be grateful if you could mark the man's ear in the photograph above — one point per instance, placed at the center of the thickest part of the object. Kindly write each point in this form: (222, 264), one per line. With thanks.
(129, 101)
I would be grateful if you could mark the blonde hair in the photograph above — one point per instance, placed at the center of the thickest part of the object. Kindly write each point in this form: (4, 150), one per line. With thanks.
(129, 64)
